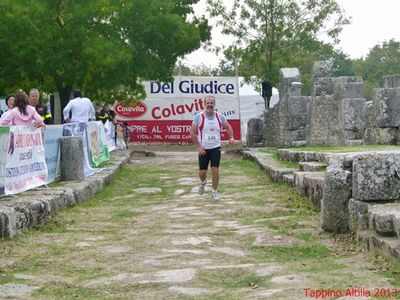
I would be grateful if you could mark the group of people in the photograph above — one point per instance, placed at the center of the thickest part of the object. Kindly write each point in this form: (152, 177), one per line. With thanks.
(26, 110)
(205, 130)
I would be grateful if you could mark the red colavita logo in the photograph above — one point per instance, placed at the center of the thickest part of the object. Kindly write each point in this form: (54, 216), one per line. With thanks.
(131, 111)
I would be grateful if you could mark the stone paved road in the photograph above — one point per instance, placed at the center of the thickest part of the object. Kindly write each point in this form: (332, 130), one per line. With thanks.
(150, 236)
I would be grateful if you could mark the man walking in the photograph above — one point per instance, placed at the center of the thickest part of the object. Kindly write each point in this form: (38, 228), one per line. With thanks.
(81, 109)
(206, 136)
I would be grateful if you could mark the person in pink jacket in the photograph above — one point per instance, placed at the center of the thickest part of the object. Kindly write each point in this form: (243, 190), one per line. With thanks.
(22, 113)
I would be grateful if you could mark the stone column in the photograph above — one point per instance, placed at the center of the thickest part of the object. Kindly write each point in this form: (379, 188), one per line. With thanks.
(254, 132)
(71, 158)
(337, 192)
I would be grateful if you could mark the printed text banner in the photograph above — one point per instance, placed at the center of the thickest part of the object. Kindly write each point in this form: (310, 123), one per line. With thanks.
(170, 131)
(171, 106)
(26, 164)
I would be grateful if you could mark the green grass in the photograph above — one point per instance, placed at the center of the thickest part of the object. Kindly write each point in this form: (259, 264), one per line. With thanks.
(67, 291)
(298, 252)
(231, 278)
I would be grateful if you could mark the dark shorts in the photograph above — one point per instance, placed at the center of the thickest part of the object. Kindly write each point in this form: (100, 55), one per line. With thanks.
(212, 155)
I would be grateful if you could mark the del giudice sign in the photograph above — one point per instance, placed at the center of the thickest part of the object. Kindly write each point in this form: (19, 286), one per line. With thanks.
(167, 113)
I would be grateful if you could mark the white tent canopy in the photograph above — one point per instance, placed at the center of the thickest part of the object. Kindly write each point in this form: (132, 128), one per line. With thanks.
(252, 104)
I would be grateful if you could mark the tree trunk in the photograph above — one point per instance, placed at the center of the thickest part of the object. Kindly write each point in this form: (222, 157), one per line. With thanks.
(65, 95)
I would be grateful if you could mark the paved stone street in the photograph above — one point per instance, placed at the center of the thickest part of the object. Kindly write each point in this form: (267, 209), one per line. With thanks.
(149, 235)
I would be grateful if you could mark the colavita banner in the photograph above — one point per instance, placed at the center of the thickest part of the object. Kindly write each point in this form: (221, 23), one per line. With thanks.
(168, 111)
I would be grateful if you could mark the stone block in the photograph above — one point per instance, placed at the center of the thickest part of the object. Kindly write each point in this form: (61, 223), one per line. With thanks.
(322, 86)
(347, 87)
(311, 166)
(8, 222)
(353, 143)
(289, 75)
(296, 156)
(370, 117)
(289, 179)
(392, 81)
(343, 161)
(334, 205)
(323, 69)
(297, 112)
(298, 143)
(71, 158)
(381, 221)
(387, 107)
(295, 135)
(254, 132)
(381, 136)
(350, 135)
(376, 176)
(358, 215)
(352, 112)
(324, 126)
(295, 89)
(385, 218)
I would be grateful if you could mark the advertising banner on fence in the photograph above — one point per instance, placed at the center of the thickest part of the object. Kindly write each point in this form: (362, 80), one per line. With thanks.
(97, 143)
(52, 137)
(4, 145)
(26, 164)
(168, 111)
(110, 130)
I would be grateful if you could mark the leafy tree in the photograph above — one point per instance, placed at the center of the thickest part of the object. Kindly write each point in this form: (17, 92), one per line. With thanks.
(382, 60)
(225, 68)
(271, 34)
(103, 47)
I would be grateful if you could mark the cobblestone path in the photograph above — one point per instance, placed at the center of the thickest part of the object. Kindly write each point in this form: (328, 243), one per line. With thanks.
(149, 235)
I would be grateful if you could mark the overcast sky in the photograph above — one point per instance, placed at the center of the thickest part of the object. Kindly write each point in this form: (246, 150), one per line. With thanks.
(373, 21)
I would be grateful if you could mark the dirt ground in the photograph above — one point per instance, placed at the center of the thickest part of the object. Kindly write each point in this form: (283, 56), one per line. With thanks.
(149, 235)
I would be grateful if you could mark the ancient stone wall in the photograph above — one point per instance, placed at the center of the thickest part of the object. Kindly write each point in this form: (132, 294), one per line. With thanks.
(382, 115)
(333, 115)
(286, 122)
(336, 108)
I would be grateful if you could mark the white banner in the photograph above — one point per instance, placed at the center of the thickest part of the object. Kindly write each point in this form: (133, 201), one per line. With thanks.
(109, 129)
(167, 112)
(182, 98)
(26, 163)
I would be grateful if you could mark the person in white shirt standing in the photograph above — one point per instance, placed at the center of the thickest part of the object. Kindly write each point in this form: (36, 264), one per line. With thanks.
(81, 109)
(206, 136)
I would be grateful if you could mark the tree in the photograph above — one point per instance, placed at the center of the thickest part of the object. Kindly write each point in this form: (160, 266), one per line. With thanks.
(270, 34)
(382, 60)
(105, 47)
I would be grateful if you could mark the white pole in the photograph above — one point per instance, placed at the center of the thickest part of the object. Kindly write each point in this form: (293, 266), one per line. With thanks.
(238, 96)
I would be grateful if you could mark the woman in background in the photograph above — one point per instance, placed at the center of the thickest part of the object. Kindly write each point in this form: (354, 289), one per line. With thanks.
(22, 113)
(10, 104)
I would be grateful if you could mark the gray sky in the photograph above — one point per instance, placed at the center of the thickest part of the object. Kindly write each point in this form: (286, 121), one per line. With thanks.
(373, 21)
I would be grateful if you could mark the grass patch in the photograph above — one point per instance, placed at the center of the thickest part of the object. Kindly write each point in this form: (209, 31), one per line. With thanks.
(230, 278)
(298, 253)
(123, 214)
(67, 291)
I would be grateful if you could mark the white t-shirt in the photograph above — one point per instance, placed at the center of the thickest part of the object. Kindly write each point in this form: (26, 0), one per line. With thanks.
(81, 108)
(209, 136)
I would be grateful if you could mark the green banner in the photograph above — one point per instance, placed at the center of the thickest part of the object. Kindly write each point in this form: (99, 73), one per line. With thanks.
(97, 143)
